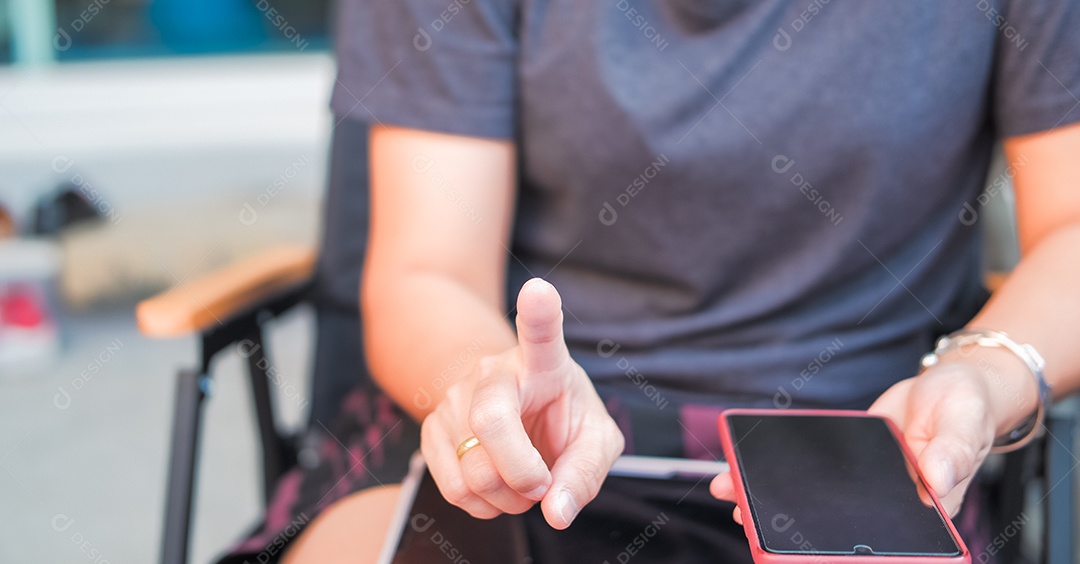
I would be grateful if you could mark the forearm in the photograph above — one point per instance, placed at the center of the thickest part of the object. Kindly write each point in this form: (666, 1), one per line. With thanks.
(1038, 304)
(423, 330)
(434, 277)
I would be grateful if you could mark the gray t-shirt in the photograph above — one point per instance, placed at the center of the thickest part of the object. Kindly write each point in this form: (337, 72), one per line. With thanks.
(742, 202)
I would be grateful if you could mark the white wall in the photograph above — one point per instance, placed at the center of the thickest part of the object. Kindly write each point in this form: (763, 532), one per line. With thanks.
(162, 130)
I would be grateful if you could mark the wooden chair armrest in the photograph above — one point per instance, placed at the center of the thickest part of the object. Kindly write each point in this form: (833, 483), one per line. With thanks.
(198, 305)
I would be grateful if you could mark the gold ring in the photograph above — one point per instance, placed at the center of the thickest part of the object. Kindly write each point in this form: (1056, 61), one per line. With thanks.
(467, 445)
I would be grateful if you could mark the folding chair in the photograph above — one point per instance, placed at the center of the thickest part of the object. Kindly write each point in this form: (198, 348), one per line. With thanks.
(230, 309)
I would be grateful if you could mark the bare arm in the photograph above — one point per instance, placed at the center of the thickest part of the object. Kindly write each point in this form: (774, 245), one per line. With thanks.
(439, 344)
(951, 413)
(433, 288)
(1040, 301)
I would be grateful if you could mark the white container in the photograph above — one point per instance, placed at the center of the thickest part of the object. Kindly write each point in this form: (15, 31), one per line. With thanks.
(29, 332)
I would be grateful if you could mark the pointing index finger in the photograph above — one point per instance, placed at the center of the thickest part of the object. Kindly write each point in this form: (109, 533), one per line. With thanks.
(539, 326)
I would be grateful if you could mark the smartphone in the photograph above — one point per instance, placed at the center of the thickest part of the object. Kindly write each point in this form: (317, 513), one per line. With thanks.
(833, 486)
(649, 510)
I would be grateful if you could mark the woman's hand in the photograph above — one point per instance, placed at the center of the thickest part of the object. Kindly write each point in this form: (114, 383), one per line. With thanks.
(544, 433)
(948, 418)
(949, 415)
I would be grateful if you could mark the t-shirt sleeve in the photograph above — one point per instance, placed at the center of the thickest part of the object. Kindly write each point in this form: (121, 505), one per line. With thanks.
(1037, 75)
(438, 65)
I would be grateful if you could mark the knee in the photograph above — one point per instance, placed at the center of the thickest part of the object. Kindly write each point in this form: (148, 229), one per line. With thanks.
(351, 530)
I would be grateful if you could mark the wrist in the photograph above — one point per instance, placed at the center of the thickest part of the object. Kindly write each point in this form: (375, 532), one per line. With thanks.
(1004, 402)
(1012, 392)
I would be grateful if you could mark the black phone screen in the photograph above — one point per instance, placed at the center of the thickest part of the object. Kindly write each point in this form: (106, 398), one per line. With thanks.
(836, 485)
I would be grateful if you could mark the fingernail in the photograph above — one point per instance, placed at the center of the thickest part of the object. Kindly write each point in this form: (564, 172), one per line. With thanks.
(537, 494)
(948, 477)
(567, 507)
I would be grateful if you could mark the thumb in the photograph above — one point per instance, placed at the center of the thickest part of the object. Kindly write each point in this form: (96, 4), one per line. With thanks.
(577, 476)
(723, 487)
(953, 455)
(948, 473)
(539, 327)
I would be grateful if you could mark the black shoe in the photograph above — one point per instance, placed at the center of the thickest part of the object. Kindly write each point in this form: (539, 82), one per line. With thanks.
(65, 207)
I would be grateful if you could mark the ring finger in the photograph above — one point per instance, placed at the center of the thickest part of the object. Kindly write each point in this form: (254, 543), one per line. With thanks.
(439, 453)
(484, 480)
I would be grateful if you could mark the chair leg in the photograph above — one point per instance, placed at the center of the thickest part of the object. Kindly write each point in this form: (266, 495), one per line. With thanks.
(1059, 544)
(274, 451)
(1019, 470)
(190, 391)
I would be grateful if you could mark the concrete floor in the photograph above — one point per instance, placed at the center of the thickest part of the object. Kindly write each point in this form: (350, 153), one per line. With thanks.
(85, 483)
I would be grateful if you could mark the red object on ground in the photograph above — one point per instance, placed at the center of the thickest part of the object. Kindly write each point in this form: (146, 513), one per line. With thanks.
(19, 307)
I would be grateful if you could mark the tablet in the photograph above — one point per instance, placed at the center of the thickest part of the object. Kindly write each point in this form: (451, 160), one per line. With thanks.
(649, 510)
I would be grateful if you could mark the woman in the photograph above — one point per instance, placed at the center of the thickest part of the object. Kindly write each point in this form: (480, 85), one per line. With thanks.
(721, 192)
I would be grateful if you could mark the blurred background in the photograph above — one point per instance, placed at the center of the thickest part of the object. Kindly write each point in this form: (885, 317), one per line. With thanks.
(142, 143)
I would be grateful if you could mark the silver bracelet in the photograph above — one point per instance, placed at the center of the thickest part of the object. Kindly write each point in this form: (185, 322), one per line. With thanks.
(1031, 427)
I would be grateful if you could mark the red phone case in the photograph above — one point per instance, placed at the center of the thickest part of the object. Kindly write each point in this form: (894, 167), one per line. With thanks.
(762, 556)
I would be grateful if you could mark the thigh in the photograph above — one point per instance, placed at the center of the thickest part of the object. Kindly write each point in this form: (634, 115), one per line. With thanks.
(351, 530)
